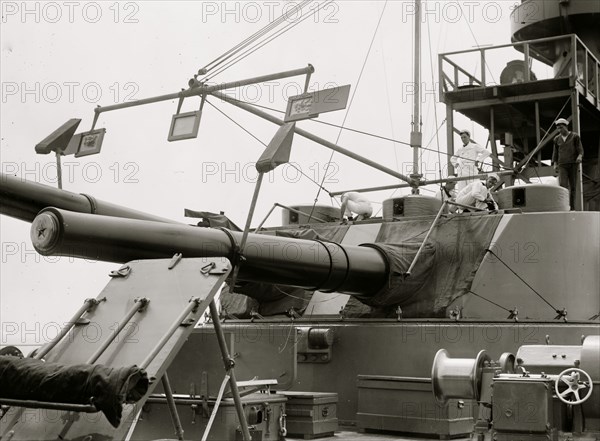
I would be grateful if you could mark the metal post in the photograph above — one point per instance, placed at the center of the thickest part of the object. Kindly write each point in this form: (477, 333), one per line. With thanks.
(482, 56)
(574, 71)
(87, 305)
(597, 84)
(251, 210)
(526, 74)
(415, 136)
(412, 265)
(172, 407)
(138, 305)
(265, 218)
(537, 130)
(229, 364)
(585, 75)
(307, 82)
(449, 137)
(508, 158)
(493, 146)
(237, 264)
(455, 77)
(58, 171)
(215, 410)
(576, 128)
(441, 77)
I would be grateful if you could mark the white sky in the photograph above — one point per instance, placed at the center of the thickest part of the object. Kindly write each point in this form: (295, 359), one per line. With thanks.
(61, 59)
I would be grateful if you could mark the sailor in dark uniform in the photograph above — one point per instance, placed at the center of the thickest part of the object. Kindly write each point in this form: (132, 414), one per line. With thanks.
(567, 155)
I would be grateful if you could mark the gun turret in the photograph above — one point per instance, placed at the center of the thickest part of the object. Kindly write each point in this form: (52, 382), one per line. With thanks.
(73, 227)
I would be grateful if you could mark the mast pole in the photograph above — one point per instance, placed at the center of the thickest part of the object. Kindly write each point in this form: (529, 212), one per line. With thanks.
(415, 135)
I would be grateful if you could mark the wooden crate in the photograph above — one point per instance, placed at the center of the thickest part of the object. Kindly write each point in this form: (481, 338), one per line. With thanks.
(407, 404)
(262, 410)
(311, 414)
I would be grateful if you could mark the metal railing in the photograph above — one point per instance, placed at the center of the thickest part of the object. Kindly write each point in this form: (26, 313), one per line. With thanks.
(577, 62)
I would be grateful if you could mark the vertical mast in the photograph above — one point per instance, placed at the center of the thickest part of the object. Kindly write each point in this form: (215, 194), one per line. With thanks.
(416, 135)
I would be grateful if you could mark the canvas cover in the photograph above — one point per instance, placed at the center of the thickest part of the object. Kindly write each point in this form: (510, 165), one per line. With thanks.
(403, 289)
(105, 387)
(443, 272)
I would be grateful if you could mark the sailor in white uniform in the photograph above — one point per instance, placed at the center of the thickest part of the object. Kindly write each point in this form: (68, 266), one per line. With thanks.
(477, 194)
(448, 193)
(468, 159)
(353, 202)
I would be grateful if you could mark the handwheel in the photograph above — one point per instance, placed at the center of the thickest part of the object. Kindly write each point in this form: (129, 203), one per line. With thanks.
(572, 378)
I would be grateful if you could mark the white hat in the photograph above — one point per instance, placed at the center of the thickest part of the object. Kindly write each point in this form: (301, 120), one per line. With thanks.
(464, 131)
(562, 121)
(495, 176)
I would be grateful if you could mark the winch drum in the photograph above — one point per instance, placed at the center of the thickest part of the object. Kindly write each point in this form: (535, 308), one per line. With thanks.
(457, 377)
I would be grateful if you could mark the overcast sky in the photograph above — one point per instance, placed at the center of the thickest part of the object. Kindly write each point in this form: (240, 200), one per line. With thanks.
(62, 59)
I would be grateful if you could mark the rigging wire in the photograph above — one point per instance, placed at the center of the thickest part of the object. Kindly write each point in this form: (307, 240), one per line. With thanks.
(362, 132)
(267, 40)
(391, 126)
(330, 124)
(228, 54)
(287, 294)
(518, 131)
(237, 124)
(389, 106)
(308, 300)
(435, 136)
(546, 133)
(262, 107)
(373, 135)
(265, 145)
(493, 303)
(549, 131)
(234, 50)
(349, 105)
(287, 339)
(522, 280)
(240, 46)
(477, 43)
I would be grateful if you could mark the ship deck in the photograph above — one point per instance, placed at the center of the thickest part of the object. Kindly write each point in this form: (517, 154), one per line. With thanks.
(350, 434)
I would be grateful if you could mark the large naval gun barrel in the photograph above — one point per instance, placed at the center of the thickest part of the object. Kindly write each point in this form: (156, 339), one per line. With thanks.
(81, 226)
(23, 200)
(308, 264)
